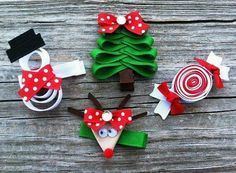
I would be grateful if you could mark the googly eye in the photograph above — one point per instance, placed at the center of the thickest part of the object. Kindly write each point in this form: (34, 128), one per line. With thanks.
(103, 133)
(112, 132)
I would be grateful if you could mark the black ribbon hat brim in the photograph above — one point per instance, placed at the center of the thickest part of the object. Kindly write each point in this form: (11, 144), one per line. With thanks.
(24, 44)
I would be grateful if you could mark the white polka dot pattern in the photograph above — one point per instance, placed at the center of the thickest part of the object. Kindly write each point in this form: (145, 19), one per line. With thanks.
(120, 118)
(132, 22)
(36, 80)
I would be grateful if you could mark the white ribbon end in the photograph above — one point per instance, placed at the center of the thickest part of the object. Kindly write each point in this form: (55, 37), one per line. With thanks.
(163, 107)
(224, 72)
(213, 59)
(73, 68)
(216, 61)
(156, 93)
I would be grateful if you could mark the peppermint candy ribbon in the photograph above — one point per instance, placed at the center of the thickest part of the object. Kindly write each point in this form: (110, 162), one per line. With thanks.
(192, 83)
(32, 80)
(118, 119)
(132, 22)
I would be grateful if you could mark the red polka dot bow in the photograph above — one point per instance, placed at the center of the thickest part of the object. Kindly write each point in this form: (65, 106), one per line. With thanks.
(132, 22)
(118, 119)
(33, 81)
(173, 98)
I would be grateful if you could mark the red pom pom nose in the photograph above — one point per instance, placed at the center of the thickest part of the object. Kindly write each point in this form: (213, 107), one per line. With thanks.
(108, 153)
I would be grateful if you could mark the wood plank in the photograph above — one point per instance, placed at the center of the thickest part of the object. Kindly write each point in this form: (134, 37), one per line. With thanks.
(203, 139)
(177, 44)
(175, 144)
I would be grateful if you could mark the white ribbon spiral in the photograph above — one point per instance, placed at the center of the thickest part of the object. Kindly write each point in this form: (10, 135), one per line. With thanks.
(65, 70)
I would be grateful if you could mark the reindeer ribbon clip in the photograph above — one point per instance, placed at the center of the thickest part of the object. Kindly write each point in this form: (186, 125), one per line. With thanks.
(132, 22)
(33, 80)
(108, 128)
(191, 84)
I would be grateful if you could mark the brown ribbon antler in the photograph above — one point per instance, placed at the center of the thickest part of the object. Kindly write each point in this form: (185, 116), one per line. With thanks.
(143, 114)
(95, 101)
(124, 101)
(75, 111)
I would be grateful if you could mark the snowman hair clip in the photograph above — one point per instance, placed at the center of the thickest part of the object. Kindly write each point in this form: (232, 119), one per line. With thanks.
(108, 127)
(191, 84)
(47, 78)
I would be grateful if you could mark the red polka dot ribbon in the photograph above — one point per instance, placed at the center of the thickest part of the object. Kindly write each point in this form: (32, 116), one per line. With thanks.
(192, 83)
(118, 119)
(132, 22)
(33, 81)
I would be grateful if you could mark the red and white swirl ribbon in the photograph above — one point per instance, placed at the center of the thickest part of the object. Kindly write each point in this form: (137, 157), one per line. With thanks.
(192, 83)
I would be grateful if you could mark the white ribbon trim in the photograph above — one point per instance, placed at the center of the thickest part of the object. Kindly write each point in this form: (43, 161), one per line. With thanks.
(64, 70)
(163, 107)
(216, 61)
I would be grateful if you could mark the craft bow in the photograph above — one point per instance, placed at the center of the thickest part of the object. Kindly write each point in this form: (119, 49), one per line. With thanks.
(132, 22)
(169, 101)
(213, 64)
(214, 70)
(33, 81)
(118, 119)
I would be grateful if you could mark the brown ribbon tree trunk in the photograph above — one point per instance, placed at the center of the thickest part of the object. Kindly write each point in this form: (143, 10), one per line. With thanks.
(126, 80)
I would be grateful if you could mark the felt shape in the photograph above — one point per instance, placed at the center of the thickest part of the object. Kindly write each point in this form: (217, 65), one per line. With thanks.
(107, 127)
(132, 22)
(101, 122)
(107, 143)
(191, 83)
(46, 77)
(127, 138)
(97, 119)
(123, 48)
(24, 44)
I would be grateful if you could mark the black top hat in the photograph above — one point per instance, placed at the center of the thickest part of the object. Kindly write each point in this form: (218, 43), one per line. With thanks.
(24, 44)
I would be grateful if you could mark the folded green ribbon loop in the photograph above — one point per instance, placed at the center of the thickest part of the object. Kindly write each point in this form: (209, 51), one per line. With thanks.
(122, 50)
(127, 138)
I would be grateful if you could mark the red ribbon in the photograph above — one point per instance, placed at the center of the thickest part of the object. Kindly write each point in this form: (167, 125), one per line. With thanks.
(33, 81)
(174, 99)
(214, 70)
(95, 120)
(132, 22)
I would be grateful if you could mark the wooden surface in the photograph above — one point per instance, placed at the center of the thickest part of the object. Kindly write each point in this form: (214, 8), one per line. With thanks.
(201, 140)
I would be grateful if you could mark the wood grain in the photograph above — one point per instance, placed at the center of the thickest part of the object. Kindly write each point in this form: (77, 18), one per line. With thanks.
(203, 139)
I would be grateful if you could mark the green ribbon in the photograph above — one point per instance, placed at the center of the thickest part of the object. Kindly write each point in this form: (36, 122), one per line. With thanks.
(122, 50)
(127, 138)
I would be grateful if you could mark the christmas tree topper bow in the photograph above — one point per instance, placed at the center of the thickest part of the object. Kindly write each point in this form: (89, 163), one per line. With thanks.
(132, 22)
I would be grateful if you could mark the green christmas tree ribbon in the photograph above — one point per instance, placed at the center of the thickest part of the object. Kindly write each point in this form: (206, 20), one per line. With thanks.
(122, 50)
(127, 138)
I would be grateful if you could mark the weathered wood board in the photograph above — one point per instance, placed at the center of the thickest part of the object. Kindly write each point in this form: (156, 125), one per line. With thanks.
(201, 140)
